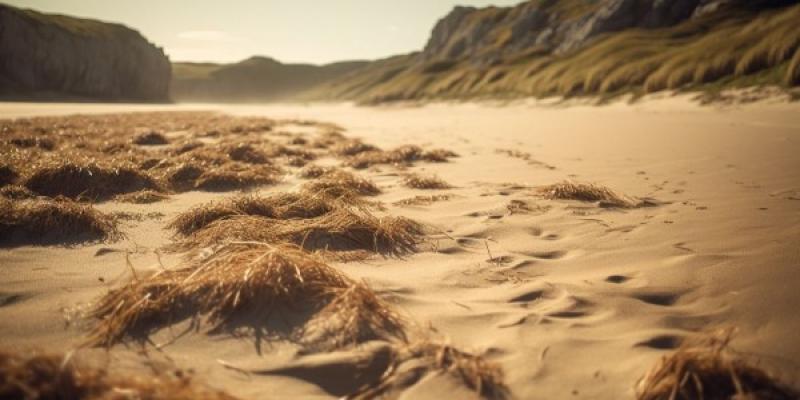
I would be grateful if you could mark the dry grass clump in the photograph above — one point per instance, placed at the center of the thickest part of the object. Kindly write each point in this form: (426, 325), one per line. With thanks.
(793, 70)
(247, 153)
(313, 171)
(52, 376)
(28, 142)
(352, 147)
(233, 177)
(276, 206)
(339, 183)
(87, 180)
(416, 181)
(403, 155)
(356, 315)
(50, 221)
(7, 175)
(146, 196)
(151, 138)
(438, 155)
(423, 200)
(16, 192)
(341, 229)
(411, 363)
(187, 146)
(587, 192)
(237, 284)
(224, 177)
(709, 371)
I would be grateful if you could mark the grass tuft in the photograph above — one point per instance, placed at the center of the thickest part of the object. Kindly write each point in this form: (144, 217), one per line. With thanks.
(244, 285)
(416, 181)
(53, 221)
(146, 196)
(708, 370)
(587, 192)
(151, 138)
(341, 229)
(87, 180)
(403, 155)
(16, 192)
(313, 171)
(339, 183)
(426, 357)
(7, 175)
(52, 376)
(356, 315)
(423, 200)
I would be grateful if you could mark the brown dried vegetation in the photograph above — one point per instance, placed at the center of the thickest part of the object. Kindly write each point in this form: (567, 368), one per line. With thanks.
(52, 376)
(60, 220)
(591, 193)
(417, 181)
(709, 370)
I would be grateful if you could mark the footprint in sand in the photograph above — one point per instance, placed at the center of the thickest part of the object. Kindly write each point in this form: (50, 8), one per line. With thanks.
(661, 342)
(658, 298)
(617, 279)
(9, 299)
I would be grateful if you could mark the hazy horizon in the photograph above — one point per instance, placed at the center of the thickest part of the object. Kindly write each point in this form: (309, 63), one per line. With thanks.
(302, 31)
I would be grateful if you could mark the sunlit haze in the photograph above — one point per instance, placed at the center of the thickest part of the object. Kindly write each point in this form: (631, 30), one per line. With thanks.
(315, 31)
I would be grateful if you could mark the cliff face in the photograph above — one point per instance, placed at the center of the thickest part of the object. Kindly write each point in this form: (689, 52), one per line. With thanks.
(484, 35)
(590, 48)
(53, 57)
(560, 26)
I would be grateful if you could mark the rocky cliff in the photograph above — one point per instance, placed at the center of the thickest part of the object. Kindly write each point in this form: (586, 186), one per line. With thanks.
(558, 26)
(49, 57)
(590, 47)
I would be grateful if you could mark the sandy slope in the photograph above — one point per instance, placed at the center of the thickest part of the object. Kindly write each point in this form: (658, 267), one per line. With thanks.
(583, 300)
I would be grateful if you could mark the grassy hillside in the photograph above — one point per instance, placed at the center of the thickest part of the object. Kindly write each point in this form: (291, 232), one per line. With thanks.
(739, 47)
(254, 79)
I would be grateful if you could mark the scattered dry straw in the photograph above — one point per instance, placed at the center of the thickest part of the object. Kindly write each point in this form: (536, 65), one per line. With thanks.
(51, 376)
(588, 192)
(7, 175)
(225, 177)
(141, 197)
(314, 222)
(403, 155)
(87, 180)
(423, 200)
(339, 183)
(151, 138)
(50, 221)
(250, 280)
(411, 363)
(356, 315)
(276, 206)
(709, 370)
(16, 192)
(341, 229)
(313, 171)
(243, 285)
(416, 181)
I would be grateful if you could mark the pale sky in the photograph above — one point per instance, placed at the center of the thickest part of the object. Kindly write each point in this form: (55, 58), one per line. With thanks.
(314, 31)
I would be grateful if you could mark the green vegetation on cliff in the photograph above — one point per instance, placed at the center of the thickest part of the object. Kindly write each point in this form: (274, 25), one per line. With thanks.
(732, 48)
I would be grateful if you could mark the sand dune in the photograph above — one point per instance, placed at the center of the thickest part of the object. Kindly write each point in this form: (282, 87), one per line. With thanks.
(570, 298)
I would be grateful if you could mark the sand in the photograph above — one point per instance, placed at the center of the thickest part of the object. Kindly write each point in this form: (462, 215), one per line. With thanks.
(570, 299)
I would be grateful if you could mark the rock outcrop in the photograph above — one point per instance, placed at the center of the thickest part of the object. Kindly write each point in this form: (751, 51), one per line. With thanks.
(51, 57)
(557, 26)
(602, 48)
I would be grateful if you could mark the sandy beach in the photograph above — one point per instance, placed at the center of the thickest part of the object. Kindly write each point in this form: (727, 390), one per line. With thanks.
(570, 299)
